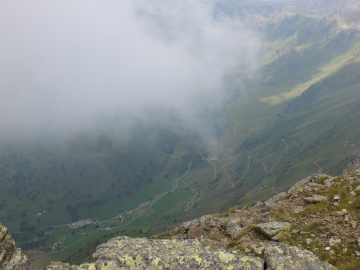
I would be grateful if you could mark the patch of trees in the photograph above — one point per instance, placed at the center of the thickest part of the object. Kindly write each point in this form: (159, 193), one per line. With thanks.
(74, 211)
(20, 238)
(33, 244)
(24, 227)
(3, 204)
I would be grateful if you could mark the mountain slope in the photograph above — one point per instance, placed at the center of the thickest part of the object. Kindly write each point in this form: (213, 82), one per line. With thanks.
(319, 213)
(296, 114)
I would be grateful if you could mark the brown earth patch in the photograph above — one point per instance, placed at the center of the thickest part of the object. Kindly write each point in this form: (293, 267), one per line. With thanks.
(34, 253)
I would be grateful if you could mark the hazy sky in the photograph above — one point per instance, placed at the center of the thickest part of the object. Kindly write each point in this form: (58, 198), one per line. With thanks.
(66, 66)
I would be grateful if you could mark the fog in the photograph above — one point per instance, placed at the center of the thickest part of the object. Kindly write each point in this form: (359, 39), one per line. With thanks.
(73, 66)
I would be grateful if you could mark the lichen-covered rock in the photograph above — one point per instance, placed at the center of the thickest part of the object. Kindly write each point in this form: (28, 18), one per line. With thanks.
(66, 266)
(58, 266)
(11, 258)
(280, 256)
(272, 229)
(141, 253)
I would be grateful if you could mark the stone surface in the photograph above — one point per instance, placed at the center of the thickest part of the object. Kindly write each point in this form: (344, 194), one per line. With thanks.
(308, 241)
(334, 241)
(328, 183)
(272, 229)
(233, 230)
(58, 266)
(280, 256)
(270, 204)
(339, 213)
(84, 266)
(11, 258)
(141, 253)
(315, 198)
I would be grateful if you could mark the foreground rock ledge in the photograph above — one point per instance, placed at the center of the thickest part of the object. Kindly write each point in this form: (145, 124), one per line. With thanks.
(11, 258)
(184, 253)
(141, 253)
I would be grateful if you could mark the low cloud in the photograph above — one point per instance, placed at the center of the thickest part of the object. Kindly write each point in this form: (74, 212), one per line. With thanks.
(71, 66)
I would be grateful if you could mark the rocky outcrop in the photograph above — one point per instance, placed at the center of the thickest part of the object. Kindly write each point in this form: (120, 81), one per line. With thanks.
(280, 256)
(141, 253)
(170, 254)
(319, 214)
(272, 230)
(11, 258)
(318, 217)
(315, 198)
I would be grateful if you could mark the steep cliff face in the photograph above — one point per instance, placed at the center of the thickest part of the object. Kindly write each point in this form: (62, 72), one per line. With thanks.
(11, 257)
